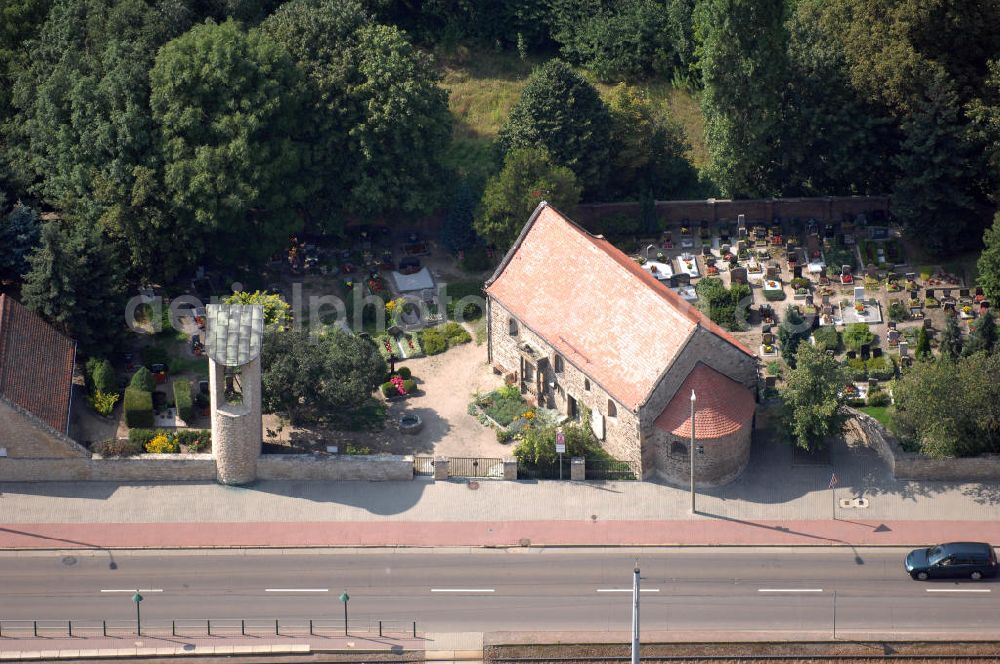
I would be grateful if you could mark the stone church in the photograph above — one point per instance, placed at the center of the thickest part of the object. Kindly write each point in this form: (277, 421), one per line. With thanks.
(580, 326)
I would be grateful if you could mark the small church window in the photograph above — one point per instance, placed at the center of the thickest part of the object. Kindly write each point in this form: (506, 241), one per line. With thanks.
(512, 323)
(678, 448)
(586, 384)
(612, 409)
(558, 363)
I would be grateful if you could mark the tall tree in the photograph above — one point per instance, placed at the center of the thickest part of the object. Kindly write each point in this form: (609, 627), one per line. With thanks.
(932, 196)
(741, 54)
(319, 378)
(791, 332)
(19, 235)
(376, 124)
(922, 350)
(951, 340)
(226, 106)
(813, 398)
(528, 177)
(989, 261)
(76, 285)
(562, 113)
(457, 233)
(649, 150)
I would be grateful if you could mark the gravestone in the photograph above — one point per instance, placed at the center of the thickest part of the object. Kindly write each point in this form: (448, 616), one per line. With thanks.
(766, 328)
(706, 251)
(871, 271)
(826, 299)
(928, 324)
(892, 325)
(767, 338)
(809, 299)
(910, 276)
(859, 293)
(741, 221)
(851, 355)
(773, 272)
(741, 245)
(770, 381)
(796, 273)
(962, 292)
(914, 295)
(893, 337)
(741, 233)
(866, 351)
(945, 292)
(929, 292)
(904, 348)
(738, 275)
(876, 352)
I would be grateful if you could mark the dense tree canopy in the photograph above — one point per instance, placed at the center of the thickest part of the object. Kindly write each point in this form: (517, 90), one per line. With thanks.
(19, 236)
(562, 113)
(989, 261)
(527, 178)
(813, 398)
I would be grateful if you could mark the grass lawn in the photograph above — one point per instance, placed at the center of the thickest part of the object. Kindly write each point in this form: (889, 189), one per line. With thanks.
(484, 85)
(880, 413)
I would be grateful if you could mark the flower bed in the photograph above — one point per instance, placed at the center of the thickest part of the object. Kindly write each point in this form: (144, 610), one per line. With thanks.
(503, 406)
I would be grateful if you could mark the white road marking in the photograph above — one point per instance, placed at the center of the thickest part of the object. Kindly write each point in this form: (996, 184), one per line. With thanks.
(132, 590)
(463, 590)
(296, 590)
(789, 590)
(627, 590)
(957, 590)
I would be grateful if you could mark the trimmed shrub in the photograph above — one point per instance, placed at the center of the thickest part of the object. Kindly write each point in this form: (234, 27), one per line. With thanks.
(116, 448)
(141, 436)
(410, 385)
(101, 376)
(103, 403)
(857, 335)
(827, 338)
(182, 399)
(434, 341)
(162, 444)
(388, 389)
(404, 373)
(143, 380)
(138, 408)
(456, 334)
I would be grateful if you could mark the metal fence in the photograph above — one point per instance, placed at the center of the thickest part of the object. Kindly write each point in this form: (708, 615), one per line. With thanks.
(475, 467)
(609, 470)
(191, 627)
(423, 465)
(543, 471)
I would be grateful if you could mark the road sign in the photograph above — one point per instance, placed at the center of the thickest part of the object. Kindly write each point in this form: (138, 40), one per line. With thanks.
(560, 442)
(833, 480)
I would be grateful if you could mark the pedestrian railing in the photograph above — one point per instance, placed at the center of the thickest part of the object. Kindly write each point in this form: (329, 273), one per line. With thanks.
(423, 465)
(475, 467)
(204, 627)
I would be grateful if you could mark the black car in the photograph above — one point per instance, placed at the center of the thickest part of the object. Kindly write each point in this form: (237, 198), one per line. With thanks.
(973, 560)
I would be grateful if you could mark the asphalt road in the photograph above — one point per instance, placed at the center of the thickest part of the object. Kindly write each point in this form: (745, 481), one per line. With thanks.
(531, 589)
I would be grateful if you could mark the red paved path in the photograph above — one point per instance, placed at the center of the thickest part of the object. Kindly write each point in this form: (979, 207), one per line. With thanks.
(698, 531)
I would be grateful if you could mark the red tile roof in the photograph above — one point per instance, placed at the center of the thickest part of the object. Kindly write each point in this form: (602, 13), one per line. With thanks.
(36, 364)
(722, 407)
(596, 306)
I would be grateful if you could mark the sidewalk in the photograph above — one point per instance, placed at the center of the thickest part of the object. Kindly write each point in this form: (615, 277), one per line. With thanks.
(773, 502)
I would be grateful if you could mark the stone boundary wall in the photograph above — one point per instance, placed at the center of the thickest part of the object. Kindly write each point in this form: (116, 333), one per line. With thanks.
(201, 468)
(140, 468)
(670, 213)
(374, 468)
(913, 466)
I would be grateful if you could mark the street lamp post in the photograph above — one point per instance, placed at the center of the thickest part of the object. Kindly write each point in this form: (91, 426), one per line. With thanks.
(635, 613)
(138, 618)
(344, 597)
(693, 398)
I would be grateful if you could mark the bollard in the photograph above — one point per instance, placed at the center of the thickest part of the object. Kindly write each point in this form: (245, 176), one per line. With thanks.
(243, 627)
(414, 629)
(34, 627)
(69, 628)
(380, 628)
(276, 626)
(310, 627)
(104, 627)
(209, 621)
(173, 628)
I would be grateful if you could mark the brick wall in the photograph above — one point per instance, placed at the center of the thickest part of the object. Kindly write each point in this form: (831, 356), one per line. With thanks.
(671, 213)
(912, 466)
(621, 437)
(26, 437)
(723, 459)
(374, 468)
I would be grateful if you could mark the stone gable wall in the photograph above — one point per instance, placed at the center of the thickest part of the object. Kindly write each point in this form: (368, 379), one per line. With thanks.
(26, 437)
(621, 437)
(373, 468)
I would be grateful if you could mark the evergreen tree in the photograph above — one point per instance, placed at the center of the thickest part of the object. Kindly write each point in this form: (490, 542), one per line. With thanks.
(76, 285)
(989, 261)
(19, 234)
(562, 113)
(932, 198)
(951, 340)
(923, 347)
(983, 338)
(741, 54)
(457, 233)
(791, 332)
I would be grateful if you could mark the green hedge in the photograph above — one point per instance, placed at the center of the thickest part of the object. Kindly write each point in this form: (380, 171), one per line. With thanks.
(827, 338)
(196, 439)
(143, 380)
(410, 385)
(182, 399)
(138, 408)
(101, 376)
